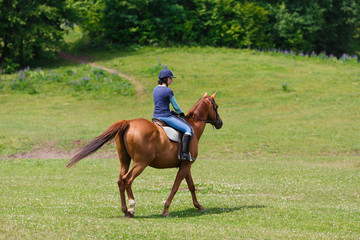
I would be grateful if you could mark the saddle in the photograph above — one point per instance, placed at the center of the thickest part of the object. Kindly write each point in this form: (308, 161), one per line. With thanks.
(173, 134)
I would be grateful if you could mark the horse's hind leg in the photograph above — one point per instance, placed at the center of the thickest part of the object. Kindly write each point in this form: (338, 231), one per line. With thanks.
(131, 200)
(191, 186)
(122, 189)
(124, 159)
(125, 183)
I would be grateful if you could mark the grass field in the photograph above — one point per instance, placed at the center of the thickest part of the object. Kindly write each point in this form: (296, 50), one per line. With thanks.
(256, 198)
(285, 164)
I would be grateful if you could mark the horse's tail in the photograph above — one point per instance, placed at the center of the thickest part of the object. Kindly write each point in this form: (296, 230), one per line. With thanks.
(99, 141)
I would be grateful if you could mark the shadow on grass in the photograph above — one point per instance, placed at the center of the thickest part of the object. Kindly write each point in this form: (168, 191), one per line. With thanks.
(193, 212)
(99, 54)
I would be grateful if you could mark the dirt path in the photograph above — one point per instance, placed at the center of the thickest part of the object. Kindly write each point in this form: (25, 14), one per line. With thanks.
(50, 151)
(87, 60)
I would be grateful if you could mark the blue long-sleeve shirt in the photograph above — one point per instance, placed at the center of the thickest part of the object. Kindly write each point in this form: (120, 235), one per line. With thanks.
(163, 96)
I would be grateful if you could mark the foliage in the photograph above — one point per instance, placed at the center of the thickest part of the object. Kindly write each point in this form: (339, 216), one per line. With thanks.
(242, 25)
(211, 22)
(22, 84)
(34, 29)
(285, 87)
(286, 34)
(342, 21)
(331, 26)
(76, 81)
(144, 22)
(2, 85)
(31, 29)
(90, 18)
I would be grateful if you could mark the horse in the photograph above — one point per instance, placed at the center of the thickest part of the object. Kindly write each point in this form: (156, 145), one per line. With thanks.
(147, 145)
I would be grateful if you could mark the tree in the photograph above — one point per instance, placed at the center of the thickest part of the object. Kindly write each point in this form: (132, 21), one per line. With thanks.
(91, 19)
(342, 19)
(31, 29)
(320, 25)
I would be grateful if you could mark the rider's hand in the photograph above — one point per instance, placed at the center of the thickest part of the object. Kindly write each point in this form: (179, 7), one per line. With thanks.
(182, 114)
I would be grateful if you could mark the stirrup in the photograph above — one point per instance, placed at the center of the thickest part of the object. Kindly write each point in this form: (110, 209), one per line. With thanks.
(186, 157)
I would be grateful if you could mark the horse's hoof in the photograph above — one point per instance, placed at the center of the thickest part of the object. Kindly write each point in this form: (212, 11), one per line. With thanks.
(131, 211)
(202, 209)
(129, 215)
(166, 215)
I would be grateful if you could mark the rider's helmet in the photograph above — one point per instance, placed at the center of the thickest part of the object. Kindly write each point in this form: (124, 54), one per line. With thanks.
(165, 73)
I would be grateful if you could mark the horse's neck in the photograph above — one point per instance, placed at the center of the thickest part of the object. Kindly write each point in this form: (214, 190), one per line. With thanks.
(199, 126)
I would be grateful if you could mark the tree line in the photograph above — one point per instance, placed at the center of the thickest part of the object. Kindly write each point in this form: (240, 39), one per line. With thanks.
(31, 29)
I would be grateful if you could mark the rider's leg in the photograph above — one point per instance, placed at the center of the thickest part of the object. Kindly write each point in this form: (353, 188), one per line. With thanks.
(183, 126)
(184, 155)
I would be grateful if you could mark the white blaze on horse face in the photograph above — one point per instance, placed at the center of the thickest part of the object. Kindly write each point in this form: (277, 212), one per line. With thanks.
(132, 206)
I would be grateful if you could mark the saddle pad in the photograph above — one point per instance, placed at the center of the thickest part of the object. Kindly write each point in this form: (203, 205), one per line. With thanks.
(172, 134)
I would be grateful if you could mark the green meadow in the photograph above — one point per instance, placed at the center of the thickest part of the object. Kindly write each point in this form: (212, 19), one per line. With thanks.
(285, 165)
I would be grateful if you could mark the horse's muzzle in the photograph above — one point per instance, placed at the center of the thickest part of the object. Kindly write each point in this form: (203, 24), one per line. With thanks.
(218, 124)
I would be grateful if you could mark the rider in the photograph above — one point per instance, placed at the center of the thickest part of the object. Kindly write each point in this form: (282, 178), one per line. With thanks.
(163, 96)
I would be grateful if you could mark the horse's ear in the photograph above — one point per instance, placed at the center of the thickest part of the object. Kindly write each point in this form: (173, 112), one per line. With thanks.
(206, 95)
(214, 95)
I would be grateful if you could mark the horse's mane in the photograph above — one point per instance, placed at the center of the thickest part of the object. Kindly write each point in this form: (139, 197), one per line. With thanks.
(198, 109)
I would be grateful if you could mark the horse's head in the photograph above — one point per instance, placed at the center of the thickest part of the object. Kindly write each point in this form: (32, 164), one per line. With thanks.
(206, 110)
(213, 115)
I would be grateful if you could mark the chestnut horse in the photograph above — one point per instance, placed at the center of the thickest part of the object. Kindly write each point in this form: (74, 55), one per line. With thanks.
(147, 144)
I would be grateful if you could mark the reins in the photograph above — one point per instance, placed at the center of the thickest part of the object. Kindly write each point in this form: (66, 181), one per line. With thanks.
(200, 119)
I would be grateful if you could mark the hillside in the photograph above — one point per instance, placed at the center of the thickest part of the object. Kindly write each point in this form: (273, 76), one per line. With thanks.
(270, 103)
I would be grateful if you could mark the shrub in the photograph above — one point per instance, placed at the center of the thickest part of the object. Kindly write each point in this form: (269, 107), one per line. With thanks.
(22, 83)
(80, 80)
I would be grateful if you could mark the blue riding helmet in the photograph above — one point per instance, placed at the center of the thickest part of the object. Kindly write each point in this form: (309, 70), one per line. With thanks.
(165, 73)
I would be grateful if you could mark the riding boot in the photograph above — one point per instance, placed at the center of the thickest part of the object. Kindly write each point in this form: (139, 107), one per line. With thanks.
(185, 155)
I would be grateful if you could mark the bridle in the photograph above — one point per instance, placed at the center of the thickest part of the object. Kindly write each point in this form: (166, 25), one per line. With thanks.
(213, 122)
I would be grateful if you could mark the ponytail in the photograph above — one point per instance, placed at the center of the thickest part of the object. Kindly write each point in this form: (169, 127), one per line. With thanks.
(163, 80)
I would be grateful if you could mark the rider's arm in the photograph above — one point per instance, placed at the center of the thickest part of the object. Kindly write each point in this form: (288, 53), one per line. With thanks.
(175, 105)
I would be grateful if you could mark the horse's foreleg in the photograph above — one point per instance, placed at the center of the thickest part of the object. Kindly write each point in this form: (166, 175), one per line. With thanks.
(191, 186)
(184, 169)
